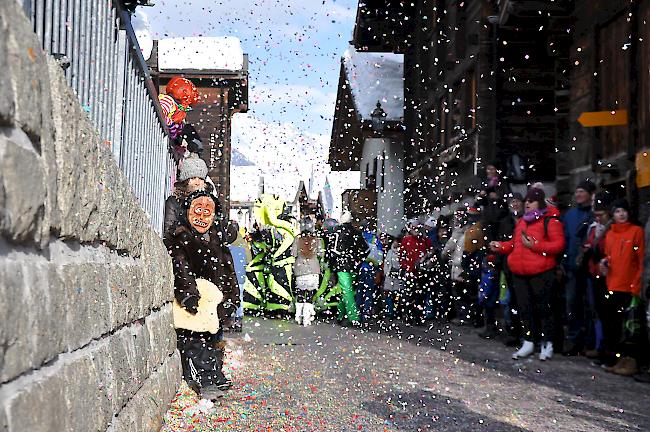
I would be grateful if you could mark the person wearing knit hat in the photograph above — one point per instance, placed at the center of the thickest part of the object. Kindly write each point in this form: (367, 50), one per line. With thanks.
(622, 204)
(624, 253)
(590, 254)
(587, 185)
(191, 177)
(192, 167)
(575, 221)
(532, 252)
(536, 195)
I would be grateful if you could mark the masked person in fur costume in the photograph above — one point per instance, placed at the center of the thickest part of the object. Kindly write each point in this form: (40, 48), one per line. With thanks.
(307, 251)
(201, 258)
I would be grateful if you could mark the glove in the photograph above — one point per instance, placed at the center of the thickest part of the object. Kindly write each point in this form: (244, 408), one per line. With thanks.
(191, 304)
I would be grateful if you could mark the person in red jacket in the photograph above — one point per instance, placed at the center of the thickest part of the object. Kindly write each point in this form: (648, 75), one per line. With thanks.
(532, 257)
(623, 267)
(413, 249)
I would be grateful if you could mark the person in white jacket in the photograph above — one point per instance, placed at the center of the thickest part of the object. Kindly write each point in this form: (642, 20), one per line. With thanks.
(393, 283)
(452, 254)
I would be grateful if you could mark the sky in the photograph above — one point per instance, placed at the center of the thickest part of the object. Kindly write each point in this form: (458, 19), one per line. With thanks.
(294, 49)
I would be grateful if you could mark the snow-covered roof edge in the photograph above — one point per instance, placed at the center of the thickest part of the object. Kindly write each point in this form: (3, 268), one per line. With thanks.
(201, 53)
(376, 77)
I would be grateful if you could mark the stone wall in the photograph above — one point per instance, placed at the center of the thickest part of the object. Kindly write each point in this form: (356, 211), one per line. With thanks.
(86, 336)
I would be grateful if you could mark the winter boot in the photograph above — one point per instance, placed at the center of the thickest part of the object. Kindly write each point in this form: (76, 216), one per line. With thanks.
(309, 314)
(212, 392)
(526, 349)
(626, 366)
(221, 382)
(546, 352)
(300, 310)
(490, 330)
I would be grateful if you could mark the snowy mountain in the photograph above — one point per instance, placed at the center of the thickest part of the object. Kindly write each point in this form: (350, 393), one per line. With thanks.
(238, 159)
(284, 154)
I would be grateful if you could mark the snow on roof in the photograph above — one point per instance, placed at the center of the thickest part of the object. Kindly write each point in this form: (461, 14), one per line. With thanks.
(376, 77)
(200, 53)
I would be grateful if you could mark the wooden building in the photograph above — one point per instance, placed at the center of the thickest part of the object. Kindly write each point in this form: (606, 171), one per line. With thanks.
(368, 135)
(609, 71)
(371, 81)
(220, 73)
(480, 86)
(504, 80)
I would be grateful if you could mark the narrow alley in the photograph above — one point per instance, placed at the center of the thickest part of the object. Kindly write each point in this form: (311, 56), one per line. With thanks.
(391, 377)
(324, 216)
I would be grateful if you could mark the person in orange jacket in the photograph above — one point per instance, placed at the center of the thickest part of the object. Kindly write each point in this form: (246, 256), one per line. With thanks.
(623, 267)
(532, 257)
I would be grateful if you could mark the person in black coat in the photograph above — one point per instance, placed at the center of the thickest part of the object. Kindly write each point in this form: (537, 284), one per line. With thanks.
(345, 250)
(198, 249)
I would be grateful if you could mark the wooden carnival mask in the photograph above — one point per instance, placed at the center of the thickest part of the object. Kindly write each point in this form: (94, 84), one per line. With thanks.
(201, 214)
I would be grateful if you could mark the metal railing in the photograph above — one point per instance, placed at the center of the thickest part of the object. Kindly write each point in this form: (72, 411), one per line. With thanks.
(106, 70)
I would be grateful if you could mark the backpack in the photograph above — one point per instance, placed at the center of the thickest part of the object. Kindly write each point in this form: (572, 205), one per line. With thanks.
(547, 220)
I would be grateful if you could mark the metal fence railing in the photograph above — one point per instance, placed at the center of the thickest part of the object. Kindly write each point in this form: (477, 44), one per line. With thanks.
(111, 79)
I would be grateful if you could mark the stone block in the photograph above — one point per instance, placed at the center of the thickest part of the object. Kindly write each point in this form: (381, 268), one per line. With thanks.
(38, 405)
(12, 305)
(157, 269)
(87, 403)
(7, 105)
(162, 336)
(33, 313)
(68, 396)
(27, 72)
(128, 352)
(124, 282)
(22, 189)
(85, 289)
(145, 411)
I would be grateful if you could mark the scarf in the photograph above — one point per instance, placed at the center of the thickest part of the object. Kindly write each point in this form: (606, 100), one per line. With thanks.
(534, 215)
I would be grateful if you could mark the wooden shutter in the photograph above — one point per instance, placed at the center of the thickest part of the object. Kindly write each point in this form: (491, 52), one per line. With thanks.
(643, 95)
(614, 81)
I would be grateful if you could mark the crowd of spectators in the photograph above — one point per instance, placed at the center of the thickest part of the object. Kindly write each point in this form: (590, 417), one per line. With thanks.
(525, 273)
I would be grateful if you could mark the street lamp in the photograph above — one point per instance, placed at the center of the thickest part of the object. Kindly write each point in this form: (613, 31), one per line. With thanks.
(378, 119)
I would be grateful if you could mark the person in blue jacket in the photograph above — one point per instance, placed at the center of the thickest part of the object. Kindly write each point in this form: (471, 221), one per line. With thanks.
(576, 221)
(367, 283)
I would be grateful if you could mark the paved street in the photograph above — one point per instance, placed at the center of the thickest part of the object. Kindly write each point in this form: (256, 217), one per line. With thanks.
(325, 378)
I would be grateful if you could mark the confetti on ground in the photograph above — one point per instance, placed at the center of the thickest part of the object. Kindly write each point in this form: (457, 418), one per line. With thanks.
(289, 378)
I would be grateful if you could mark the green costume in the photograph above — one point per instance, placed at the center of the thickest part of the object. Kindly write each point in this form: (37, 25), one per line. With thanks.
(347, 305)
(269, 274)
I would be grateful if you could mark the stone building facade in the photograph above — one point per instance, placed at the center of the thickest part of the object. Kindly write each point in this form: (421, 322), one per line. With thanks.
(86, 341)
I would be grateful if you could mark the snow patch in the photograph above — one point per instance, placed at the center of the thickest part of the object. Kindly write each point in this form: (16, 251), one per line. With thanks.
(142, 29)
(376, 77)
(201, 53)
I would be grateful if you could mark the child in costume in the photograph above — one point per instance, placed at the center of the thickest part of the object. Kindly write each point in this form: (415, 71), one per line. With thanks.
(180, 95)
(307, 270)
(199, 251)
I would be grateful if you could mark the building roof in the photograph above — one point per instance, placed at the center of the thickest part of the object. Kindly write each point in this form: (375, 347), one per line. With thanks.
(200, 53)
(384, 25)
(376, 77)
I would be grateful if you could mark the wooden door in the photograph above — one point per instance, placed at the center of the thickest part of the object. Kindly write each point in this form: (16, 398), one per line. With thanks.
(614, 51)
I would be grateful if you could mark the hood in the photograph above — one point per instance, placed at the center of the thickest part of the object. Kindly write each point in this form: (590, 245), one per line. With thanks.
(552, 211)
